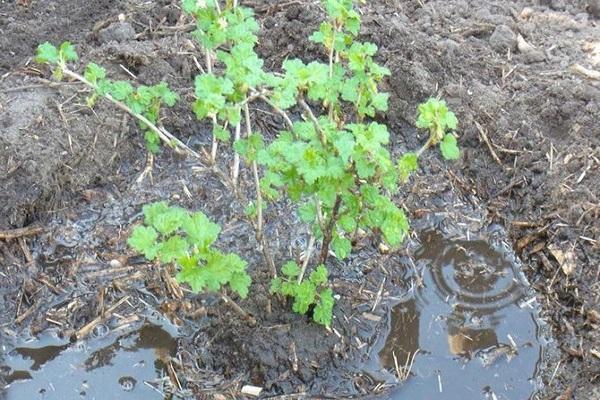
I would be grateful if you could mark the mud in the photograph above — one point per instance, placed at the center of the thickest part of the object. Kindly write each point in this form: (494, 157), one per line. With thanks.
(530, 141)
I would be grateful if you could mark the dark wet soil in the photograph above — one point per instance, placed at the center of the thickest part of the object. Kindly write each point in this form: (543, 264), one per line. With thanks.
(530, 162)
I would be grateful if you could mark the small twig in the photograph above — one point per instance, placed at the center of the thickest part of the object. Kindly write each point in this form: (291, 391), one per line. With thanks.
(487, 141)
(20, 232)
(48, 84)
(87, 328)
(379, 294)
(235, 307)
(279, 111)
(425, 146)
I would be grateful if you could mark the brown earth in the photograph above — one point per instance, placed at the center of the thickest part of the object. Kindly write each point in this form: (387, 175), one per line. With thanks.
(519, 74)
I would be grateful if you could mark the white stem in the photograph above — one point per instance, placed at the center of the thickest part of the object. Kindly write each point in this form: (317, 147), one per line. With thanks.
(307, 254)
(236, 157)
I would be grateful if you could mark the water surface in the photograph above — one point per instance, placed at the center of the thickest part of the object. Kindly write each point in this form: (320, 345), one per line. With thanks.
(129, 366)
(469, 331)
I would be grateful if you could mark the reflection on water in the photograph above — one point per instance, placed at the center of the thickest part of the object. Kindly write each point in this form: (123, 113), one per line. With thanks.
(106, 368)
(471, 337)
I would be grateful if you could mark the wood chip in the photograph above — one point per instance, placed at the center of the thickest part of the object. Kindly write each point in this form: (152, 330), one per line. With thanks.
(21, 232)
(523, 46)
(372, 317)
(253, 391)
(593, 316)
(585, 72)
(595, 353)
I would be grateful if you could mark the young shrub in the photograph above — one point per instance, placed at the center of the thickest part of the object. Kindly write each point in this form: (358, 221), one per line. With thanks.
(174, 235)
(309, 294)
(334, 163)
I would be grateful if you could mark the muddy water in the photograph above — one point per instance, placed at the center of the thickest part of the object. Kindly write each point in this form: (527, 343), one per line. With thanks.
(469, 331)
(110, 366)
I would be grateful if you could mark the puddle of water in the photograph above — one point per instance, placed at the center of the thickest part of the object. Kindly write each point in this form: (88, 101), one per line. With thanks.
(469, 332)
(107, 367)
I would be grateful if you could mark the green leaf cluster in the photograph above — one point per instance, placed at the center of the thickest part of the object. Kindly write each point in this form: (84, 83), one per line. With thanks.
(58, 57)
(326, 164)
(312, 292)
(216, 26)
(435, 116)
(174, 235)
(143, 100)
(229, 34)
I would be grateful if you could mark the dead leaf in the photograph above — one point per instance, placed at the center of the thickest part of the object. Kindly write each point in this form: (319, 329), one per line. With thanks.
(566, 259)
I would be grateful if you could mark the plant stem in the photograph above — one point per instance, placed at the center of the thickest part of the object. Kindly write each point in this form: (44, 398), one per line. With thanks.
(329, 231)
(236, 157)
(235, 307)
(310, 115)
(259, 202)
(164, 135)
(425, 146)
(209, 67)
(307, 254)
(278, 110)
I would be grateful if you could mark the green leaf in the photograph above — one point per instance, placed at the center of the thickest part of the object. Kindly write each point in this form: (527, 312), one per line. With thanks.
(304, 297)
(153, 210)
(435, 116)
(395, 225)
(323, 312)
(290, 269)
(319, 275)
(251, 147)
(94, 73)
(380, 101)
(67, 52)
(47, 53)
(347, 223)
(407, 165)
(341, 246)
(240, 283)
(308, 212)
(152, 141)
(449, 147)
(143, 239)
(251, 210)
(220, 133)
(344, 144)
(191, 274)
(200, 230)
(172, 249)
(170, 220)
(275, 285)
(120, 90)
